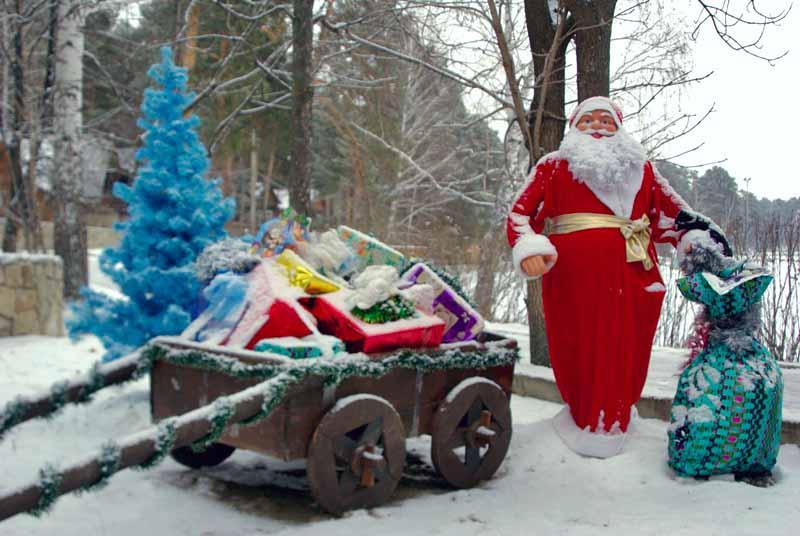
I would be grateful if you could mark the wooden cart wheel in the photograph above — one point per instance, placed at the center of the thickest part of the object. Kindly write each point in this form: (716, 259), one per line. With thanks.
(356, 456)
(215, 454)
(471, 432)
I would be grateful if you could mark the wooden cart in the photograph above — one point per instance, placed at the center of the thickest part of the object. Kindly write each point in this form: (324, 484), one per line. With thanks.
(353, 434)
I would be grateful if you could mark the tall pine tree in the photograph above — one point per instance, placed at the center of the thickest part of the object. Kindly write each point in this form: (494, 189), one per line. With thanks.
(174, 213)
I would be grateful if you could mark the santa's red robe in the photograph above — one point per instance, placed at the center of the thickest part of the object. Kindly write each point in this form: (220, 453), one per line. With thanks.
(600, 311)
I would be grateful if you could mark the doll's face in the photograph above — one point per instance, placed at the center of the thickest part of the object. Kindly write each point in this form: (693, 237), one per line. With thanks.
(597, 123)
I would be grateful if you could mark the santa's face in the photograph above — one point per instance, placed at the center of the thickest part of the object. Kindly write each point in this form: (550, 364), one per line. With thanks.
(597, 123)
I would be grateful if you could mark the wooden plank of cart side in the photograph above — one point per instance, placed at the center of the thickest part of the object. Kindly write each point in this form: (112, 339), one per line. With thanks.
(176, 389)
(283, 435)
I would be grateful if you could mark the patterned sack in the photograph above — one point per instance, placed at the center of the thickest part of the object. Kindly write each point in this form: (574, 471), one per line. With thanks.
(726, 415)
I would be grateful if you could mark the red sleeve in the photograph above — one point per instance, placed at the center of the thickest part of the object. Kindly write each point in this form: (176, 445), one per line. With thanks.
(665, 206)
(527, 215)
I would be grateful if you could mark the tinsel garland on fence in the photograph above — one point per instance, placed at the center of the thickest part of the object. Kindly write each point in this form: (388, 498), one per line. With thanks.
(278, 379)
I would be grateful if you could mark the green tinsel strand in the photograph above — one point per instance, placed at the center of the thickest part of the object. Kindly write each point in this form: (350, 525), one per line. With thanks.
(222, 364)
(12, 414)
(222, 411)
(334, 371)
(391, 310)
(165, 440)
(49, 482)
(147, 358)
(94, 383)
(58, 397)
(109, 460)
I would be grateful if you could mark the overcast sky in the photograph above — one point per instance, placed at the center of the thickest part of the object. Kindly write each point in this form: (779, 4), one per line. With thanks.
(756, 126)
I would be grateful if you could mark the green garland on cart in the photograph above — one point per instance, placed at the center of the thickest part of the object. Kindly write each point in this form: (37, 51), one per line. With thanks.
(50, 479)
(16, 409)
(277, 381)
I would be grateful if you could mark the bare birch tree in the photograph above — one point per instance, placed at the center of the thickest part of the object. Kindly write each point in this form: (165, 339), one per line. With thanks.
(69, 224)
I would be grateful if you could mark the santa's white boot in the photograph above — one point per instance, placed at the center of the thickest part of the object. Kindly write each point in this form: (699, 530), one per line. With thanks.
(587, 443)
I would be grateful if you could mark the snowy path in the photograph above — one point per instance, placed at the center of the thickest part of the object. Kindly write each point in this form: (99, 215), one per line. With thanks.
(541, 488)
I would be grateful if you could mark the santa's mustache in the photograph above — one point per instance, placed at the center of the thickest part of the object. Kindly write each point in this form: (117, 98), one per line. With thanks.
(590, 131)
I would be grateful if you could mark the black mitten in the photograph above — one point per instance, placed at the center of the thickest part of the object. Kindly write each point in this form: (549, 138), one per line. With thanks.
(691, 221)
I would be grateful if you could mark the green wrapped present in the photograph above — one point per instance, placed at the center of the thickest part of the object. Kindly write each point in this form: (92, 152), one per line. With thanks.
(305, 348)
(372, 252)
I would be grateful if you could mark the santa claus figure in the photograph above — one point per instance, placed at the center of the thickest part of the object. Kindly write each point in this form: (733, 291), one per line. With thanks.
(601, 287)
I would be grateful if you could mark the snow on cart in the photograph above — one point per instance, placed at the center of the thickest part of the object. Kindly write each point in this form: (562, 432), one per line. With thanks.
(333, 349)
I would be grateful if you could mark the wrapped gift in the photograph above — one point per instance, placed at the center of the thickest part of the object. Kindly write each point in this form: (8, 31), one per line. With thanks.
(307, 347)
(370, 250)
(332, 312)
(328, 253)
(278, 234)
(280, 318)
(225, 300)
(301, 275)
(462, 321)
(246, 308)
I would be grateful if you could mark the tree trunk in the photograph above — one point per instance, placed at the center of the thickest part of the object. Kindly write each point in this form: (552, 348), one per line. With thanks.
(302, 94)
(593, 45)
(20, 209)
(548, 103)
(487, 269)
(69, 225)
(253, 180)
(187, 48)
(268, 186)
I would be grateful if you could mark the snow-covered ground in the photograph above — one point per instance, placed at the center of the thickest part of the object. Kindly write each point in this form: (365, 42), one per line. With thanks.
(542, 488)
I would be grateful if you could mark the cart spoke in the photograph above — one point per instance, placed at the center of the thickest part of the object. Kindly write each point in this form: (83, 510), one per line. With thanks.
(343, 448)
(496, 427)
(348, 483)
(457, 439)
(472, 458)
(379, 470)
(475, 410)
(372, 433)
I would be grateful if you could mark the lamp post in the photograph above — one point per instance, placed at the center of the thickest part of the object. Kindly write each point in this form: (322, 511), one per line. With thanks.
(746, 212)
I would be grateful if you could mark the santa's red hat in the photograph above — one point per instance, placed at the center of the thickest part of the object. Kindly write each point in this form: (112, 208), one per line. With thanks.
(596, 103)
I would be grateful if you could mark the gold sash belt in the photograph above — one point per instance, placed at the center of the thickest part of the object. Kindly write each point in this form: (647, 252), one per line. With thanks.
(635, 232)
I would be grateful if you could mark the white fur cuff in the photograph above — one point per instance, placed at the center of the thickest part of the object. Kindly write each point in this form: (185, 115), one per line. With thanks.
(529, 245)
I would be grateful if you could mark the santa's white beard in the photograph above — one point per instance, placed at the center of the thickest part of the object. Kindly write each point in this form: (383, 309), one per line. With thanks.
(610, 166)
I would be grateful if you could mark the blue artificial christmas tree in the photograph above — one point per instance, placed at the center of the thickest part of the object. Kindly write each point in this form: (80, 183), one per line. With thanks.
(174, 213)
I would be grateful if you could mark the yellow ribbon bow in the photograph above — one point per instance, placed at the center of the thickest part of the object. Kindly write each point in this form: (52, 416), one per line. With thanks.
(635, 232)
(637, 240)
(303, 276)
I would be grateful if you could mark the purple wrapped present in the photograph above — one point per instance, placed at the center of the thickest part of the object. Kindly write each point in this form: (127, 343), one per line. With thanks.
(463, 323)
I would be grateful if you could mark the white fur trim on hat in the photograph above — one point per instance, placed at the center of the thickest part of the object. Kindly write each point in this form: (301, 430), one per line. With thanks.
(586, 443)
(597, 103)
(529, 245)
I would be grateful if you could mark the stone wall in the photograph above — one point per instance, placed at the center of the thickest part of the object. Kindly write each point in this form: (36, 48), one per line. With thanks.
(97, 237)
(31, 295)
